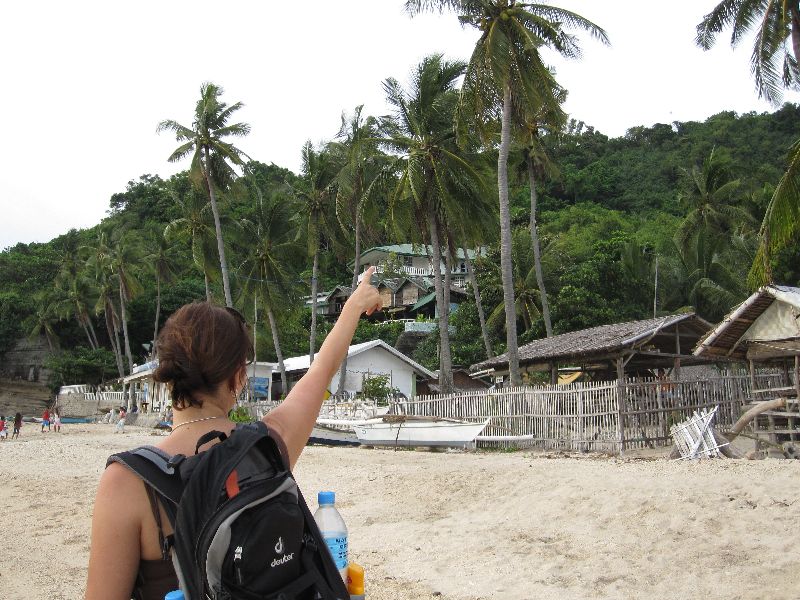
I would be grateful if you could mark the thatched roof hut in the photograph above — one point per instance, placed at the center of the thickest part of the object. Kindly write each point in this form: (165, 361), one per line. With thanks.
(766, 326)
(632, 347)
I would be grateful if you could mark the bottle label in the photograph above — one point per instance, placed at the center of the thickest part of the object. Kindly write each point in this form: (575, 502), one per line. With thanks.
(338, 548)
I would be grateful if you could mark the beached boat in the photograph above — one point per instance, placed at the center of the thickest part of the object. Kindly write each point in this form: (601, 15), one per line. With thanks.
(404, 430)
(333, 434)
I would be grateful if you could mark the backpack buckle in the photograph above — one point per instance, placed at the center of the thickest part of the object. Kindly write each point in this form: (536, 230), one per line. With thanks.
(175, 461)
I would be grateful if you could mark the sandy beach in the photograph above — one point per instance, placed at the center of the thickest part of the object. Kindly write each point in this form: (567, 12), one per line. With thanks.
(461, 526)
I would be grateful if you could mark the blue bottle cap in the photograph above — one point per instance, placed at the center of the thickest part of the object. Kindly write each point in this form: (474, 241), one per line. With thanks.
(174, 595)
(326, 498)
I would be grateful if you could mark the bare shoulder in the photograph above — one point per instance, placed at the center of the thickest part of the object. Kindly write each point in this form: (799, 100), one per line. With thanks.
(117, 484)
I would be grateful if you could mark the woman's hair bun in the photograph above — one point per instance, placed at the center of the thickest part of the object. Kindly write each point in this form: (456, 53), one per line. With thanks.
(200, 346)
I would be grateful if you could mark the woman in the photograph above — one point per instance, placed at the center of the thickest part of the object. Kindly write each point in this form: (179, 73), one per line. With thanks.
(17, 425)
(203, 351)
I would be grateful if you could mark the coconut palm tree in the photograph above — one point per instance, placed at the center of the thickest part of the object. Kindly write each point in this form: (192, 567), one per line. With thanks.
(106, 304)
(43, 320)
(316, 198)
(211, 155)
(161, 262)
(437, 186)
(361, 164)
(707, 197)
(506, 73)
(264, 271)
(773, 62)
(197, 226)
(73, 287)
(781, 221)
(123, 260)
(527, 295)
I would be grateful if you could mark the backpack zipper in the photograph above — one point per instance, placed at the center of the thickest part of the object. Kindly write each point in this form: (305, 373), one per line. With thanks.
(237, 564)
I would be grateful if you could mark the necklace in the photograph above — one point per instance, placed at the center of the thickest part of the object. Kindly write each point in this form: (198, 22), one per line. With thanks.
(174, 427)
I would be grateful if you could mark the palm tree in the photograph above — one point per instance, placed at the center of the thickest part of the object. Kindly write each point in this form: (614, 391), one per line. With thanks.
(43, 320)
(124, 257)
(545, 117)
(73, 287)
(704, 274)
(316, 198)
(196, 225)
(361, 165)
(772, 64)
(506, 72)
(211, 154)
(781, 221)
(160, 260)
(106, 304)
(527, 295)
(707, 198)
(264, 271)
(437, 185)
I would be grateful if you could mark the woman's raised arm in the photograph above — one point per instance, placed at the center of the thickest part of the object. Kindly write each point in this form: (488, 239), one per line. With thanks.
(294, 419)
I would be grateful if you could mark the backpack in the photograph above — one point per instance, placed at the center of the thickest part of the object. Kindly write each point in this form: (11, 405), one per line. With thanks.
(242, 529)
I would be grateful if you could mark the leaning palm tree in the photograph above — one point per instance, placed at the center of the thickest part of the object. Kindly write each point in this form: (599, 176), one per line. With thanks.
(106, 304)
(505, 74)
(438, 185)
(211, 155)
(43, 320)
(774, 61)
(781, 221)
(265, 270)
(316, 196)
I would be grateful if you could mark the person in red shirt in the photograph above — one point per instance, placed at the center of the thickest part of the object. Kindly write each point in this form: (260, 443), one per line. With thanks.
(3, 430)
(46, 420)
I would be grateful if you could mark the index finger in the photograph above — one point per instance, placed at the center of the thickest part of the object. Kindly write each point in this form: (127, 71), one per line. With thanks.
(367, 279)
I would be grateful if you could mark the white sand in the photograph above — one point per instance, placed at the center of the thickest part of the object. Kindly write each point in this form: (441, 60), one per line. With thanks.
(461, 525)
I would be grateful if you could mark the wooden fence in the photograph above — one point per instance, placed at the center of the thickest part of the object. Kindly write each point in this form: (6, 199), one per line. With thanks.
(590, 416)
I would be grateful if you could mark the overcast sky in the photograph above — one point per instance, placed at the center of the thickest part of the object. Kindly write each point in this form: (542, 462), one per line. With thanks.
(84, 84)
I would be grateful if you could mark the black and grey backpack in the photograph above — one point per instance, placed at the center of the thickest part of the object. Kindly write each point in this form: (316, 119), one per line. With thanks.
(242, 530)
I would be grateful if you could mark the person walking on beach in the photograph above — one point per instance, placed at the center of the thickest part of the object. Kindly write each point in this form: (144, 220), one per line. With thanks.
(17, 425)
(46, 420)
(120, 428)
(3, 430)
(203, 352)
(56, 421)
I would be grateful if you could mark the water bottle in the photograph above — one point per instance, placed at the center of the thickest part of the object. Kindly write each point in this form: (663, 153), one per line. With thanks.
(174, 595)
(333, 529)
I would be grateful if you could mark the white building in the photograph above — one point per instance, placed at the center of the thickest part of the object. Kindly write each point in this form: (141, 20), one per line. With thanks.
(366, 360)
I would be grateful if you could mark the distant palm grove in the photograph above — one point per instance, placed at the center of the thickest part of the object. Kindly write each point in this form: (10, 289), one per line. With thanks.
(569, 228)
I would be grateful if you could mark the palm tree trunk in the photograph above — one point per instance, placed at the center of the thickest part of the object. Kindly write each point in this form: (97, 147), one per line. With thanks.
(208, 287)
(111, 336)
(223, 264)
(92, 331)
(479, 305)
(124, 315)
(505, 242)
(86, 331)
(158, 314)
(796, 31)
(276, 342)
(445, 359)
(356, 270)
(537, 255)
(312, 337)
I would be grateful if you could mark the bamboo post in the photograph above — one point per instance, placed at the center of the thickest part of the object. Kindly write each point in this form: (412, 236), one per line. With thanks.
(621, 403)
(553, 373)
(677, 364)
(797, 376)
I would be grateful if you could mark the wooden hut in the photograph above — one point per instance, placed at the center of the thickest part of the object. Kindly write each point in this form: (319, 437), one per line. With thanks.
(764, 331)
(612, 351)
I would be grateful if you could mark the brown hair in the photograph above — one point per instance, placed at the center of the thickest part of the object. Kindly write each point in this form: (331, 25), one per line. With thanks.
(200, 346)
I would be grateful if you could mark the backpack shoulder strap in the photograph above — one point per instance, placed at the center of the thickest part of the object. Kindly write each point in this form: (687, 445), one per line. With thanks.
(156, 468)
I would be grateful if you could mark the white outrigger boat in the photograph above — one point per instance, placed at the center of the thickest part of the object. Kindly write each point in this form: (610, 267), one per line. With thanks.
(406, 430)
